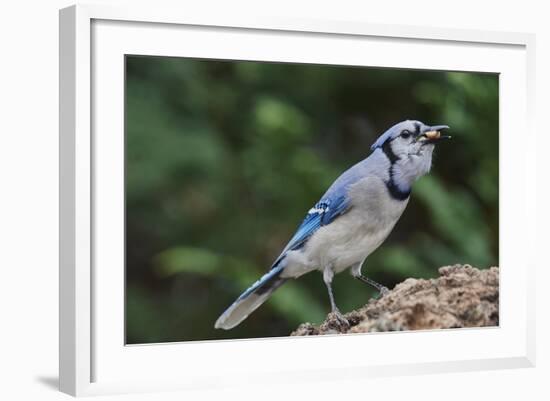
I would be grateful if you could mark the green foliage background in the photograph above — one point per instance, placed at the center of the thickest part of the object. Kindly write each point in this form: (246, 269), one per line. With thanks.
(224, 159)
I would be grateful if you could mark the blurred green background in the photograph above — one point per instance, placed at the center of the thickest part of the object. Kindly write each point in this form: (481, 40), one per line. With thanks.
(224, 158)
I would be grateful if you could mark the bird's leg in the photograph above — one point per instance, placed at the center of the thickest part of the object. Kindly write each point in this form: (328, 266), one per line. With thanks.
(328, 274)
(379, 287)
(356, 272)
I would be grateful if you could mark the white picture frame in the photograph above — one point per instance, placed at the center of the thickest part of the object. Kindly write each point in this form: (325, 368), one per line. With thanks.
(93, 356)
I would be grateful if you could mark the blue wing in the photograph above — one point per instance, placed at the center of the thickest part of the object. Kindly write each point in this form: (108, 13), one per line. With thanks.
(323, 213)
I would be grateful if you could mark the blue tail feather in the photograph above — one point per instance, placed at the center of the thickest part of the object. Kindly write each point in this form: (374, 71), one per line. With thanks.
(252, 298)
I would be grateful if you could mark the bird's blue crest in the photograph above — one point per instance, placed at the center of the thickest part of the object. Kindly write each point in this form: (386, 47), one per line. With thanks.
(394, 131)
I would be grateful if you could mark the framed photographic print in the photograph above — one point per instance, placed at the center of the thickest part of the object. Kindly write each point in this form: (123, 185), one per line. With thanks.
(221, 178)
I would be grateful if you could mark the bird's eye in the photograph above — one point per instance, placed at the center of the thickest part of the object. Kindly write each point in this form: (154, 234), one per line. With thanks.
(405, 134)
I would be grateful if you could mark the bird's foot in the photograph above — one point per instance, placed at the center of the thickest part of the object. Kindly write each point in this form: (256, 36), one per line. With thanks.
(383, 291)
(338, 320)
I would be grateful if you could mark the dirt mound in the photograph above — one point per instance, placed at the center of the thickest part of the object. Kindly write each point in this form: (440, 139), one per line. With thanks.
(462, 296)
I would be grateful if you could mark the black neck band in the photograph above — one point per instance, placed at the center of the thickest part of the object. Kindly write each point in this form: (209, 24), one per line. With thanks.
(396, 192)
(393, 188)
(388, 151)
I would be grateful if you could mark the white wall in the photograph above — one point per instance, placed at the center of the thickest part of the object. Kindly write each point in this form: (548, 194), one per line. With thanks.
(29, 184)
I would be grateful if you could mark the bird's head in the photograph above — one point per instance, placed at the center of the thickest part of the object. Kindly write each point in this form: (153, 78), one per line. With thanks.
(409, 146)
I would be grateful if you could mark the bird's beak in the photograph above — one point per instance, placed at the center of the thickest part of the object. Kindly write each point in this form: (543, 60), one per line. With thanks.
(433, 134)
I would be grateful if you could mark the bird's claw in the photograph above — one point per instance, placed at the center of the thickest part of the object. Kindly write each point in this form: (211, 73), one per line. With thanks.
(340, 319)
(384, 291)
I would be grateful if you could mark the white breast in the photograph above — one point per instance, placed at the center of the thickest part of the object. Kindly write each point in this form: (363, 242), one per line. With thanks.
(353, 236)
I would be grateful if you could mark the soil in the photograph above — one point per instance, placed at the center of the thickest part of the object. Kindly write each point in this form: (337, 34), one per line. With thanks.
(462, 296)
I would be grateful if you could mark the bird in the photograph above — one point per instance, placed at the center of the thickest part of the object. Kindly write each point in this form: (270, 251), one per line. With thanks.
(351, 220)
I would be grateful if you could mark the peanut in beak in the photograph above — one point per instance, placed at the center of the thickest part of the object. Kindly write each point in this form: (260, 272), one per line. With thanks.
(432, 134)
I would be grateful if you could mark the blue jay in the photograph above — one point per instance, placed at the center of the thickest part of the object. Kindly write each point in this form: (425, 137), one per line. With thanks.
(351, 220)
